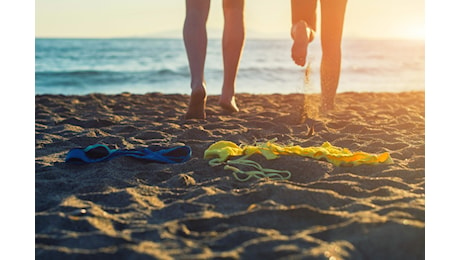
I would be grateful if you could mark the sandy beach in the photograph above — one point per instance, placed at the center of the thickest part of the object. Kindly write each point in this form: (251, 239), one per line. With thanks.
(126, 208)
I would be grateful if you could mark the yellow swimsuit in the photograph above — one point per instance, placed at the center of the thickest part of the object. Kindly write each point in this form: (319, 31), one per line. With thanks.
(220, 151)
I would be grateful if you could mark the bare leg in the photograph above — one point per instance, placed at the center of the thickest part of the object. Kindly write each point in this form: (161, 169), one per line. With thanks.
(195, 40)
(232, 47)
(303, 13)
(332, 13)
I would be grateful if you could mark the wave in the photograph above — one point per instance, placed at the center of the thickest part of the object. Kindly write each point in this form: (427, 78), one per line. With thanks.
(95, 77)
(134, 64)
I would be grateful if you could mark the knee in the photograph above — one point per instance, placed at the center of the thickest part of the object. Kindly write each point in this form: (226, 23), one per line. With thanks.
(196, 17)
(234, 17)
(332, 53)
(331, 49)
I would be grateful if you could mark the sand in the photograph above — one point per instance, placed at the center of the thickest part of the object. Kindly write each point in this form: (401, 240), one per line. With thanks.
(130, 209)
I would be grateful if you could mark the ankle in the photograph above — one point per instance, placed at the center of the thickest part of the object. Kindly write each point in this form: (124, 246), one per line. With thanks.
(301, 27)
(327, 105)
(199, 90)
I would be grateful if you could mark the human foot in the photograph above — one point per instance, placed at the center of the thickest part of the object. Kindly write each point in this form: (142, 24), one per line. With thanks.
(302, 35)
(228, 104)
(197, 105)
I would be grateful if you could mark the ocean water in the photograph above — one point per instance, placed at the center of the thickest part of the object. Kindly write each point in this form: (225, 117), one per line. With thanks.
(112, 66)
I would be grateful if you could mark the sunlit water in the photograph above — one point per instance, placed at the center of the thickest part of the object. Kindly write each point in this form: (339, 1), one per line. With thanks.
(110, 66)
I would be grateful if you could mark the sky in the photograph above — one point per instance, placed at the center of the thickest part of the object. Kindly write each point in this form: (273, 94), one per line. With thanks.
(264, 18)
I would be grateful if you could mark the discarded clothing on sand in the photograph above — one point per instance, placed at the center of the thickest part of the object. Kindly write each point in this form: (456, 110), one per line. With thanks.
(220, 152)
(99, 153)
(333, 154)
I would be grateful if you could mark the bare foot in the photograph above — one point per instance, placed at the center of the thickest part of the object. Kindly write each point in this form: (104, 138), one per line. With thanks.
(229, 105)
(302, 35)
(197, 105)
(327, 104)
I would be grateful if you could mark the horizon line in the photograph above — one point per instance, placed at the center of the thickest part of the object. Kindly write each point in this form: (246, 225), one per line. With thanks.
(218, 38)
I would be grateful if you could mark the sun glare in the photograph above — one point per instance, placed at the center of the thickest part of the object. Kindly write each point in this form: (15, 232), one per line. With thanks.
(413, 32)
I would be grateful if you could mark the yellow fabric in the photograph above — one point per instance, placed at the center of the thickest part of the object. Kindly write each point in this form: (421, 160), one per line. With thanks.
(222, 150)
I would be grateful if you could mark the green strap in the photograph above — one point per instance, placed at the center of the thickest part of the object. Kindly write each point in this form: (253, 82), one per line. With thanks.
(259, 173)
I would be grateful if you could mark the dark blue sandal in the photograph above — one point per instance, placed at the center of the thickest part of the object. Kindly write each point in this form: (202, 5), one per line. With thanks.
(100, 153)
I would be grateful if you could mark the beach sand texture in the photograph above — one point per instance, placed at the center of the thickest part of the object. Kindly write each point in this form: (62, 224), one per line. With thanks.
(130, 209)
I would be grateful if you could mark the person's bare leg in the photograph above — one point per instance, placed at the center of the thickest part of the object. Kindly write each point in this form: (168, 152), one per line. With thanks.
(332, 18)
(303, 14)
(195, 40)
(232, 47)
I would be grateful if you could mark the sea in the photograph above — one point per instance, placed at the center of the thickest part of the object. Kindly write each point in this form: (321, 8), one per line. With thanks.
(145, 65)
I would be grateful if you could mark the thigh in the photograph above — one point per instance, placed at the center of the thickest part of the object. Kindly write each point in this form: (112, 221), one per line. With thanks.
(197, 6)
(332, 19)
(304, 10)
(233, 4)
